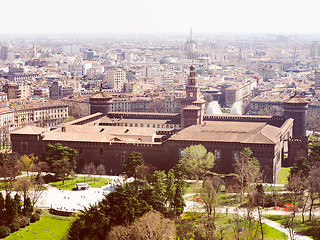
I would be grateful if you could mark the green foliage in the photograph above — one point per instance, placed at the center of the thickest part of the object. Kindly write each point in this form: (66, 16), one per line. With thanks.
(48, 227)
(301, 166)
(17, 203)
(2, 209)
(4, 231)
(10, 210)
(27, 207)
(14, 227)
(282, 176)
(129, 202)
(35, 217)
(69, 184)
(314, 155)
(159, 185)
(39, 211)
(61, 160)
(130, 166)
(197, 160)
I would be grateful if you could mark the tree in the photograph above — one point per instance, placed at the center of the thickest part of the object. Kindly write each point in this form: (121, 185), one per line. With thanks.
(101, 170)
(26, 164)
(171, 188)
(4, 136)
(130, 166)
(2, 209)
(197, 160)
(159, 185)
(27, 207)
(61, 160)
(9, 169)
(209, 195)
(247, 169)
(151, 225)
(10, 210)
(157, 106)
(313, 186)
(22, 186)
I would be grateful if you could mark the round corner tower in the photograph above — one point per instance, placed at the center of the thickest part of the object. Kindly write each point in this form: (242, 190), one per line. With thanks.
(100, 102)
(296, 107)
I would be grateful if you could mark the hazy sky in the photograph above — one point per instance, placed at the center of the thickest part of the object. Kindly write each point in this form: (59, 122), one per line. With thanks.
(103, 16)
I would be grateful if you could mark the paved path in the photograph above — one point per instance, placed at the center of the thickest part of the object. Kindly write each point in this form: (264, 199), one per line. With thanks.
(198, 207)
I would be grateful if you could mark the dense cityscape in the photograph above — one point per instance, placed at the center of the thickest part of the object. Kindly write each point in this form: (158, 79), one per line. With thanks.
(171, 120)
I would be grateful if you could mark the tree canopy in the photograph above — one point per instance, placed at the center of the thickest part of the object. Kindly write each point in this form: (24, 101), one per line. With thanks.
(197, 160)
(61, 160)
(134, 160)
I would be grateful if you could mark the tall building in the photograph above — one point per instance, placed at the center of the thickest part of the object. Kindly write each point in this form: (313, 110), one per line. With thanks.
(296, 108)
(317, 80)
(34, 51)
(315, 49)
(116, 78)
(193, 106)
(191, 47)
(4, 53)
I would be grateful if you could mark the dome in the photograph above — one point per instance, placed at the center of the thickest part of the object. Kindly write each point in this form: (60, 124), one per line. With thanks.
(168, 60)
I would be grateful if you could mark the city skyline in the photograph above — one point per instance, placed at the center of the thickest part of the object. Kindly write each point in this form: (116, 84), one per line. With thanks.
(142, 16)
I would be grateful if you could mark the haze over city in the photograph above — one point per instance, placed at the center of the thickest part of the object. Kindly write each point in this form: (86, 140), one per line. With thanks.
(145, 16)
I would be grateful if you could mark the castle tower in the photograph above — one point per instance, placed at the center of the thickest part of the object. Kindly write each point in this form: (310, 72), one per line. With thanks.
(192, 106)
(100, 102)
(34, 51)
(296, 108)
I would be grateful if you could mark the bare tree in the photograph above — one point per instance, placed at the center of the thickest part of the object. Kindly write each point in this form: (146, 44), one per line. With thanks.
(101, 170)
(9, 169)
(157, 106)
(210, 197)
(247, 169)
(92, 171)
(151, 225)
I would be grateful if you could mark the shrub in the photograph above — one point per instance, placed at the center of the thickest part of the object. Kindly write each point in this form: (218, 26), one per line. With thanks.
(35, 217)
(4, 232)
(24, 221)
(39, 211)
(49, 178)
(14, 227)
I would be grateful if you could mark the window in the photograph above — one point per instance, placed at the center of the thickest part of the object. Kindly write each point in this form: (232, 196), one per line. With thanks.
(80, 150)
(101, 151)
(217, 154)
(24, 146)
(235, 155)
(123, 159)
(181, 152)
(191, 94)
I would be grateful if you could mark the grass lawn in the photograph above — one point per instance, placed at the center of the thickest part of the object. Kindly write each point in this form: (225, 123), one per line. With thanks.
(283, 175)
(193, 221)
(48, 227)
(309, 228)
(69, 184)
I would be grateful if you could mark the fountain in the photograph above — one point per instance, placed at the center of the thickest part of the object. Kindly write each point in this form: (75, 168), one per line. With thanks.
(236, 108)
(214, 108)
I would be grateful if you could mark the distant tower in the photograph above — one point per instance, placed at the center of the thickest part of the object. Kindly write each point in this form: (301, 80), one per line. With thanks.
(296, 108)
(191, 47)
(317, 80)
(100, 102)
(192, 106)
(34, 51)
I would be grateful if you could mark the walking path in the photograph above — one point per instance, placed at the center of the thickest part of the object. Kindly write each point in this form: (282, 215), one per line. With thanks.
(198, 207)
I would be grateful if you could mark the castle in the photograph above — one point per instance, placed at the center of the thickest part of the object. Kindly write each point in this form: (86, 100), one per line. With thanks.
(109, 137)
